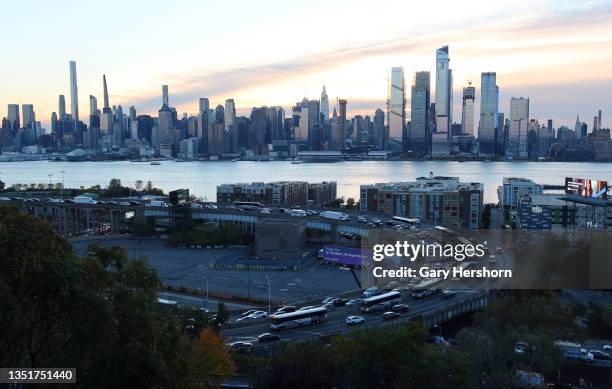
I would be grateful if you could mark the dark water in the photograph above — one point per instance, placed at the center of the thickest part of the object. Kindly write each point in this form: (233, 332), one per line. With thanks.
(203, 177)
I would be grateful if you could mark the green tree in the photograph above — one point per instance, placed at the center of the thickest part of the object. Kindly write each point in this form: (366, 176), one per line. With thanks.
(2, 185)
(350, 202)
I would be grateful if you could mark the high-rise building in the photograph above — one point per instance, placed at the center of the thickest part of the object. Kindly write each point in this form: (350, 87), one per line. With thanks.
(203, 105)
(444, 93)
(338, 137)
(467, 110)
(230, 113)
(28, 116)
(165, 99)
(418, 137)
(74, 93)
(380, 132)
(519, 121)
(324, 105)
(489, 102)
(396, 104)
(106, 120)
(314, 129)
(62, 107)
(13, 117)
(93, 105)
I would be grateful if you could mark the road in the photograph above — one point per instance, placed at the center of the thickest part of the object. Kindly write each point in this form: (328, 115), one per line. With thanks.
(336, 320)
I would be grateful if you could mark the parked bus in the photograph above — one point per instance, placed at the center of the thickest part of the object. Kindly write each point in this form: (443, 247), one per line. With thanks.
(411, 221)
(248, 204)
(298, 318)
(380, 302)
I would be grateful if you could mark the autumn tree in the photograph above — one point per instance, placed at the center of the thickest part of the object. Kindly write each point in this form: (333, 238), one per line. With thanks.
(209, 362)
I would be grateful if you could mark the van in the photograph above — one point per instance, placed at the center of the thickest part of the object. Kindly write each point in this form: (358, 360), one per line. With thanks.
(84, 200)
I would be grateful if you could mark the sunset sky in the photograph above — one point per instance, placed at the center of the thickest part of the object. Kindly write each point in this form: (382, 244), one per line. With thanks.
(558, 53)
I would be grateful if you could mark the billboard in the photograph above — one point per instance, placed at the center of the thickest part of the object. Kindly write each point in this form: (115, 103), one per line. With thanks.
(586, 187)
(352, 256)
(179, 196)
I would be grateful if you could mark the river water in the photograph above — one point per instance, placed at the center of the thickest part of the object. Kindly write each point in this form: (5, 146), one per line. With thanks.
(201, 178)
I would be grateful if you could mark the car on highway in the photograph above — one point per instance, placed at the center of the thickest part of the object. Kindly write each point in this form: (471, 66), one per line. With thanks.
(240, 346)
(257, 315)
(330, 306)
(268, 337)
(596, 355)
(124, 203)
(211, 206)
(399, 308)
(247, 313)
(327, 300)
(607, 347)
(448, 294)
(310, 212)
(265, 211)
(339, 302)
(4, 199)
(196, 206)
(353, 302)
(354, 320)
(423, 293)
(370, 292)
(390, 315)
(306, 308)
(134, 203)
(285, 309)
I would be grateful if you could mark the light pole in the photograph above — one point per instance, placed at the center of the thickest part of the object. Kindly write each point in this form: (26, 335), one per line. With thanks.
(62, 189)
(268, 279)
(206, 301)
(50, 175)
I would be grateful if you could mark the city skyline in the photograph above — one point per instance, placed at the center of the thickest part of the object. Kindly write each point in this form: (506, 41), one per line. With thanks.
(520, 48)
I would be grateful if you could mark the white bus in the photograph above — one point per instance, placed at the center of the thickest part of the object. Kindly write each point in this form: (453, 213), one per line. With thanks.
(247, 204)
(306, 317)
(380, 302)
(411, 221)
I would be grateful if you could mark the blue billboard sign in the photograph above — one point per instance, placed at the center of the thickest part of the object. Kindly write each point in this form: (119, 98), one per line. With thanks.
(352, 256)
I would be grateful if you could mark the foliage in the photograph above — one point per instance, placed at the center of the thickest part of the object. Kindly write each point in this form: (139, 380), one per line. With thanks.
(599, 320)
(208, 234)
(97, 313)
(209, 359)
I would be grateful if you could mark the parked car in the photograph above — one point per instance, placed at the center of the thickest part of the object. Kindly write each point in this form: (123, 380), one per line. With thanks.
(327, 300)
(390, 315)
(211, 206)
(607, 347)
(307, 307)
(399, 308)
(330, 306)
(265, 211)
(157, 203)
(247, 313)
(268, 337)
(4, 199)
(196, 206)
(240, 346)
(258, 315)
(353, 302)
(596, 355)
(370, 292)
(354, 320)
(448, 294)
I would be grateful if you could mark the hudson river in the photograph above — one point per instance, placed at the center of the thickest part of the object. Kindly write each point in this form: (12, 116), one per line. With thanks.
(203, 177)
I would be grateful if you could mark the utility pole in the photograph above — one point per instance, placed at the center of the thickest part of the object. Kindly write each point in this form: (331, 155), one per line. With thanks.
(62, 188)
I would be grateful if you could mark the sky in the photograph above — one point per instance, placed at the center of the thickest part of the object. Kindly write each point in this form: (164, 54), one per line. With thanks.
(557, 53)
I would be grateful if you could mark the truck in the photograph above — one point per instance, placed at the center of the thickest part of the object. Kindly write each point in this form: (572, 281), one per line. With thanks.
(334, 215)
(84, 200)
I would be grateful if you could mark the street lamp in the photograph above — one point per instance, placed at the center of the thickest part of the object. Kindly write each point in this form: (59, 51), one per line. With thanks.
(50, 175)
(206, 301)
(62, 189)
(268, 279)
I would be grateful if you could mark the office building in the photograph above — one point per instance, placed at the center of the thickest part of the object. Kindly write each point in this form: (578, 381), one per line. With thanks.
(517, 134)
(13, 117)
(282, 193)
(28, 116)
(380, 131)
(419, 133)
(74, 93)
(165, 99)
(488, 124)
(444, 94)
(93, 105)
(436, 200)
(396, 104)
(324, 105)
(61, 107)
(467, 110)
(514, 188)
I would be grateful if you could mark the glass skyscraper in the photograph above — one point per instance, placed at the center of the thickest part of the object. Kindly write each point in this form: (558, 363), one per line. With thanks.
(489, 102)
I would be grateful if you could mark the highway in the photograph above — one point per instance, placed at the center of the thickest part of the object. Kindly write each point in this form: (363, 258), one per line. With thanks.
(335, 323)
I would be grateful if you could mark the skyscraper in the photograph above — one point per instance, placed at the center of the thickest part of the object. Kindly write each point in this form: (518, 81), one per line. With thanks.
(230, 113)
(106, 120)
(13, 117)
(467, 109)
(338, 138)
(203, 105)
(62, 107)
(28, 116)
(93, 105)
(165, 95)
(444, 93)
(74, 93)
(419, 108)
(519, 121)
(314, 130)
(396, 104)
(324, 105)
(489, 102)
(380, 132)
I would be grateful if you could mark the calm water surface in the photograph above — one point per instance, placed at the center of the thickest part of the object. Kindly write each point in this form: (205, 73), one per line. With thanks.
(203, 177)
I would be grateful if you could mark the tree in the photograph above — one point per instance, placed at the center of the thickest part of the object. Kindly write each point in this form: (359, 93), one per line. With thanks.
(2, 185)
(222, 314)
(209, 361)
(350, 202)
(139, 185)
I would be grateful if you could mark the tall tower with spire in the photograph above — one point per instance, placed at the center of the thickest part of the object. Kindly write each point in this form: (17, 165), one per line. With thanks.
(324, 104)
(106, 120)
(106, 105)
